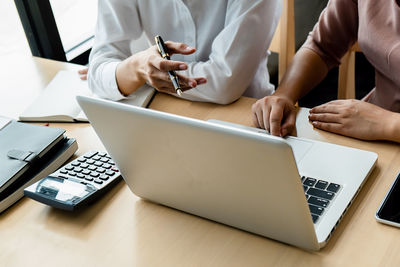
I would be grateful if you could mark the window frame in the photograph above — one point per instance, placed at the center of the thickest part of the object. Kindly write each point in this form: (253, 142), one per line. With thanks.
(41, 31)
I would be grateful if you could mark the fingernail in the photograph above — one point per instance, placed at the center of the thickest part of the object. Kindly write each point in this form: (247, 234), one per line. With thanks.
(201, 81)
(182, 67)
(188, 48)
(192, 84)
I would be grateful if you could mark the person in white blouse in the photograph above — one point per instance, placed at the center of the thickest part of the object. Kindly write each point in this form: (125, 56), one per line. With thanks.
(219, 47)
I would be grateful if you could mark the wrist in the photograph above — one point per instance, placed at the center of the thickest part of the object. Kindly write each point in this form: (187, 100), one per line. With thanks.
(283, 94)
(128, 76)
(392, 127)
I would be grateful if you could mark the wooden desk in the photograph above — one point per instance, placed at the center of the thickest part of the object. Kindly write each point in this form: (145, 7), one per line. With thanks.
(123, 230)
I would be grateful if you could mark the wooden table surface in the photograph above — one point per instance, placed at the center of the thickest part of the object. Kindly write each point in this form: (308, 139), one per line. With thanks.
(123, 230)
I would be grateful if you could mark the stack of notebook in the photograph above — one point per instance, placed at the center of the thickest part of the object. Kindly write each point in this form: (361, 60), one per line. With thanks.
(28, 153)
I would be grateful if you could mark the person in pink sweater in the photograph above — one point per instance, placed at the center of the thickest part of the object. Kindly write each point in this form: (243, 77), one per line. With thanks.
(375, 24)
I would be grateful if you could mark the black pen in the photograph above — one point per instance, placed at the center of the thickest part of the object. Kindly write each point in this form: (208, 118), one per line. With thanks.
(165, 55)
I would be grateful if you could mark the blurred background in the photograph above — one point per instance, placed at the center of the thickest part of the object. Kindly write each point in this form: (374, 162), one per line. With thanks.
(70, 26)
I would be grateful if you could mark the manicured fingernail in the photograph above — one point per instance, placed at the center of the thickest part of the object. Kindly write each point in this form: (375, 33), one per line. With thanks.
(192, 84)
(182, 67)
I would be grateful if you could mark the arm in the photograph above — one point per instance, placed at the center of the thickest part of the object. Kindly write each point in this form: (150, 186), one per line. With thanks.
(334, 33)
(236, 52)
(394, 128)
(112, 41)
(114, 71)
(276, 113)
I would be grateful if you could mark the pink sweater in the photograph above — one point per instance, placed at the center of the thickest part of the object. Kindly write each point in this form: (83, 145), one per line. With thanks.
(375, 24)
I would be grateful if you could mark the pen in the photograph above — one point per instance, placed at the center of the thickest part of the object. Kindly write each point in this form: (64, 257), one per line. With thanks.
(165, 55)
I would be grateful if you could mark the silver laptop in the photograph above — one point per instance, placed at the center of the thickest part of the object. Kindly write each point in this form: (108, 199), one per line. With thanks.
(292, 190)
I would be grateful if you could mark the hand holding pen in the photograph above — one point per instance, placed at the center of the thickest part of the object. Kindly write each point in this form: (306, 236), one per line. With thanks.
(149, 67)
(165, 54)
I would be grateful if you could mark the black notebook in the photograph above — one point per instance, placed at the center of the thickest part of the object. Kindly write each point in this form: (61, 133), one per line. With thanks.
(53, 160)
(23, 146)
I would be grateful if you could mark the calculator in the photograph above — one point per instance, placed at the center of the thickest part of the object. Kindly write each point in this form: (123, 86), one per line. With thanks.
(78, 183)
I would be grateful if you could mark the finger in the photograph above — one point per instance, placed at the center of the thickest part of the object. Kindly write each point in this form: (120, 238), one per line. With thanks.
(331, 107)
(168, 65)
(201, 80)
(179, 48)
(266, 113)
(167, 86)
(254, 108)
(83, 71)
(83, 77)
(255, 119)
(329, 127)
(190, 82)
(275, 120)
(186, 88)
(160, 71)
(288, 124)
(258, 115)
(154, 75)
(260, 118)
(324, 117)
(162, 80)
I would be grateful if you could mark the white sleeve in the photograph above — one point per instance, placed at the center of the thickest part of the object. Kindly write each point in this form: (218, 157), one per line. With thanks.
(236, 51)
(117, 26)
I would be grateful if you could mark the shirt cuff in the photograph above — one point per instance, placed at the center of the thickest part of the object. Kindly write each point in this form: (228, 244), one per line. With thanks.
(110, 81)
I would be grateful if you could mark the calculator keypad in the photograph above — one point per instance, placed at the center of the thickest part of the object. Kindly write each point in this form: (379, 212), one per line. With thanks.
(95, 168)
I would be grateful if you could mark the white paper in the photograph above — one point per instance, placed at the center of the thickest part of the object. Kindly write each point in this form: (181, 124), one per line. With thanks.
(4, 122)
(58, 102)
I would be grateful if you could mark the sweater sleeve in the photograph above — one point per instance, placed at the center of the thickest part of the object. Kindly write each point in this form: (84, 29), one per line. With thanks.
(236, 52)
(335, 31)
(118, 24)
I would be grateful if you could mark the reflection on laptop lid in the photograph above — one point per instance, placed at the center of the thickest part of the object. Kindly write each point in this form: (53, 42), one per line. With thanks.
(238, 177)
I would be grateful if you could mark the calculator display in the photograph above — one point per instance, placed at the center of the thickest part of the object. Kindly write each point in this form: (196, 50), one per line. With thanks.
(62, 190)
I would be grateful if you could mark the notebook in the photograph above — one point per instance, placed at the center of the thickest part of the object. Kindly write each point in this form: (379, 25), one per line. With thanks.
(53, 160)
(28, 153)
(57, 101)
(21, 145)
(240, 177)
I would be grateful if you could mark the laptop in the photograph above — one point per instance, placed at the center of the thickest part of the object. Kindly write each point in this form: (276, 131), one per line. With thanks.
(291, 189)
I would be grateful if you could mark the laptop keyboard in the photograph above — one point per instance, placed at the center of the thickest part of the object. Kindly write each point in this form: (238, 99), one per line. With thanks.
(319, 194)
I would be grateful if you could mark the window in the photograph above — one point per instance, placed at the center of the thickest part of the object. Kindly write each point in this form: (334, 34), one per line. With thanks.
(59, 29)
(76, 21)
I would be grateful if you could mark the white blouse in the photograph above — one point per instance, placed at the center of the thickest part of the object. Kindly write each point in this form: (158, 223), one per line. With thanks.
(231, 38)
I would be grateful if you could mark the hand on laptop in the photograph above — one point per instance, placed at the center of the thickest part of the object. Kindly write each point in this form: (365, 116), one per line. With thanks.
(149, 67)
(276, 114)
(354, 118)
